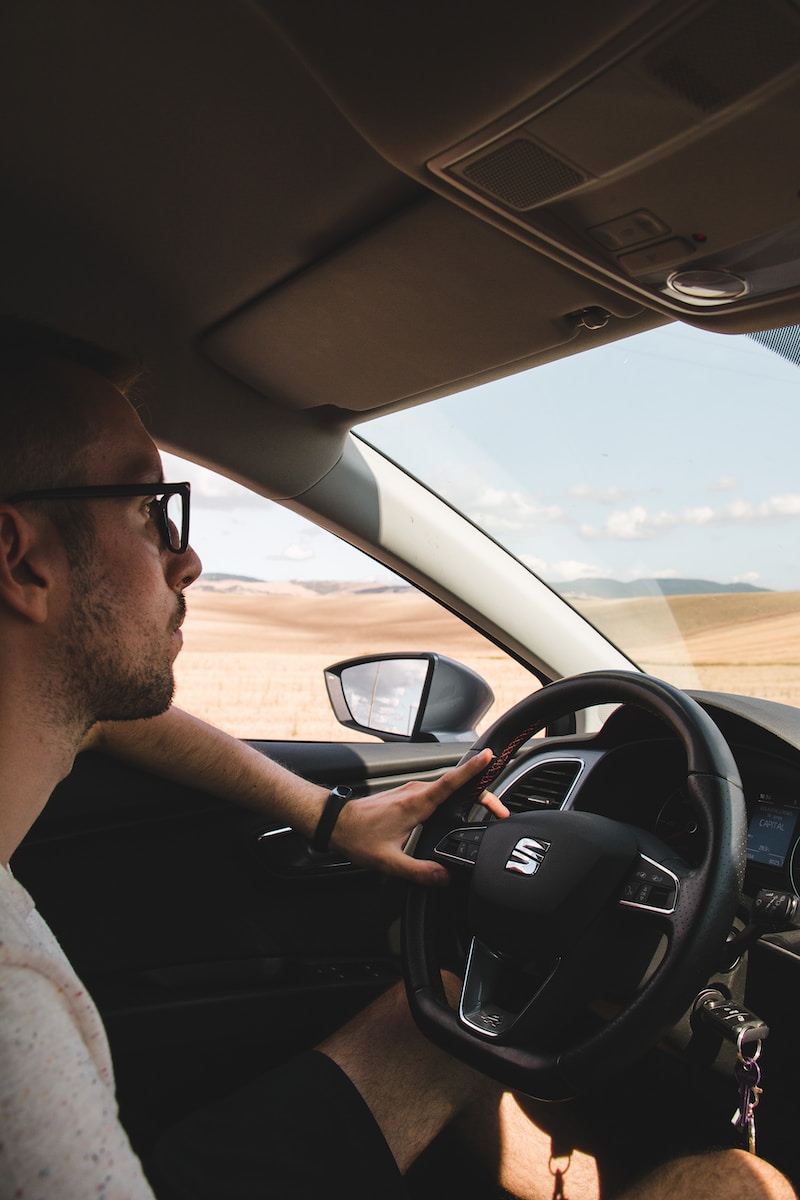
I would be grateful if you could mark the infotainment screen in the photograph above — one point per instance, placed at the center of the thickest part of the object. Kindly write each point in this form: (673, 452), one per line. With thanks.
(770, 833)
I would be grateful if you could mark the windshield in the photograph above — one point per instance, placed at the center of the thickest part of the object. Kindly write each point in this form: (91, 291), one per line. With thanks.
(654, 483)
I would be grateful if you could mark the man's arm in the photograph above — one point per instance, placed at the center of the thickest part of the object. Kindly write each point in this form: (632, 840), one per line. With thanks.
(371, 831)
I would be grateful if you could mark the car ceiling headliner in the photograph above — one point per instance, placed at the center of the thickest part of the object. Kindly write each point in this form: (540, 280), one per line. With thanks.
(240, 192)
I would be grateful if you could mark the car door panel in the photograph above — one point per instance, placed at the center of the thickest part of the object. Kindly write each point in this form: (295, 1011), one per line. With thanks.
(212, 942)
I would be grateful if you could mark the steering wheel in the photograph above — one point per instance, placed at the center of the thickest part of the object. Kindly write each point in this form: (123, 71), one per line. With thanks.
(580, 939)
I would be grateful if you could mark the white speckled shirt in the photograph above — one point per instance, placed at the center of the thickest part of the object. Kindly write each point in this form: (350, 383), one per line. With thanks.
(60, 1137)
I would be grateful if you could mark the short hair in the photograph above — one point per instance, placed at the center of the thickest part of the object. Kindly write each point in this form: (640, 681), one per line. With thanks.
(26, 343)
(45, 432)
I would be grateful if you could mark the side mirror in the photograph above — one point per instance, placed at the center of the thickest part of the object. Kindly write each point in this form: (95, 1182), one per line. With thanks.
(408, 697)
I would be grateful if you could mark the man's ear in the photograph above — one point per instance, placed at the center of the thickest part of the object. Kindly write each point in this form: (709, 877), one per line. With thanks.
(25, 567)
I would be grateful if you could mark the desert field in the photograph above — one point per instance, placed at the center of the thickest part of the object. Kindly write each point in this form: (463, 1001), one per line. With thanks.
(253, 661)
(748, 642)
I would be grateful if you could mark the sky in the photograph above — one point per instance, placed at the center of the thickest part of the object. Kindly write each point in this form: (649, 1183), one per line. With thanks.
(237, 532)
(673, 454)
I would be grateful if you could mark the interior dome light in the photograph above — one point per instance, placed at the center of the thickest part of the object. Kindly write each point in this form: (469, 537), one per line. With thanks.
(708, 286)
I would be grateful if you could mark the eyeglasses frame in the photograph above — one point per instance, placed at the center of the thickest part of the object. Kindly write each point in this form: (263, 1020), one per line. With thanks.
(160, 491)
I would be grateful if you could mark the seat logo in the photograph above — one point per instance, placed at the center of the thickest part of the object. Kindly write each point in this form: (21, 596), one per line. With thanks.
(527, 856)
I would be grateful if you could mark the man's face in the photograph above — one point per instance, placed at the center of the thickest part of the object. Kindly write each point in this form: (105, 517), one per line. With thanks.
(120, 632)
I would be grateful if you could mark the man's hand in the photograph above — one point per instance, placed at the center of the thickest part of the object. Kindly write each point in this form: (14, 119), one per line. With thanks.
(372, 831)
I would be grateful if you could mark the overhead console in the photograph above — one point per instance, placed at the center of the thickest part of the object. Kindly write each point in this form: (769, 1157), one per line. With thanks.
(656, 170)
(660, 161)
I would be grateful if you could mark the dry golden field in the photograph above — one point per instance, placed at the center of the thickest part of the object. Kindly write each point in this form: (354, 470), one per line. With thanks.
(748, 642)
(253, 661)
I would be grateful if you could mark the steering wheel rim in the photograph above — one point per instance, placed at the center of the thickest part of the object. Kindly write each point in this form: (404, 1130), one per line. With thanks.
(706, 898)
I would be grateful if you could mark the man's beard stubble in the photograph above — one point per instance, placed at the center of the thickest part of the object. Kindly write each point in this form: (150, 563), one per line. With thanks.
(99, 684)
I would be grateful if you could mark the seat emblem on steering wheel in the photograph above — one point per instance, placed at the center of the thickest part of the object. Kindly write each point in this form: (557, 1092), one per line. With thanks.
(527, 856)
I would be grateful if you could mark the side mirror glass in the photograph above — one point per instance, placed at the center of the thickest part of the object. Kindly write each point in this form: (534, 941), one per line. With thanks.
(408, 697)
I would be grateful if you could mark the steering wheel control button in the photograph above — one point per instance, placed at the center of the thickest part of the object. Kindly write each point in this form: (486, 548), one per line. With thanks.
(650, 886)
(461, 845)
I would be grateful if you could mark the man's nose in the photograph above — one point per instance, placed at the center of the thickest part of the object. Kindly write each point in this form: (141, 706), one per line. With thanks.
(183, 569)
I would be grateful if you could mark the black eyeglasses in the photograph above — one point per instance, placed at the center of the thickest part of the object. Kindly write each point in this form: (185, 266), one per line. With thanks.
(172, 500)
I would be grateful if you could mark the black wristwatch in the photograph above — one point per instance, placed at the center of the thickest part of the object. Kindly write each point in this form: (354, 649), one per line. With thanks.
(337, 798)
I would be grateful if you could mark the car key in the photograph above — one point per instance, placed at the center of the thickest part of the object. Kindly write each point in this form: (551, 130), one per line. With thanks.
(737, 1024)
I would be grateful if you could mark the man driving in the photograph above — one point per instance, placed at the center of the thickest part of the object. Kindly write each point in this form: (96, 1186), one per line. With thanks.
(95, 560)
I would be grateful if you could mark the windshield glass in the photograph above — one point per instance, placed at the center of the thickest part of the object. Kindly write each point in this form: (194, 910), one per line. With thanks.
(653, 483)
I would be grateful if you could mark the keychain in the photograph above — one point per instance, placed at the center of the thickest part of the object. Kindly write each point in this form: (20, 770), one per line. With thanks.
(747, 1031)
(747, 1073)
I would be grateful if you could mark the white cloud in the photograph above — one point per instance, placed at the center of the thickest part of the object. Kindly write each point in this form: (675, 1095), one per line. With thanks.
(638, 524)
(498, 510)
(631, 524)
(703, 514)
(295, 553)
(783, 506)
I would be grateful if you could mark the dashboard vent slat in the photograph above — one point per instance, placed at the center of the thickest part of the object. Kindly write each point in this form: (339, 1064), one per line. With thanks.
(546, 785)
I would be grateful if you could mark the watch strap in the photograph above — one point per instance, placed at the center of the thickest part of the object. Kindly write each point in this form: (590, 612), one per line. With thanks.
(337, 798)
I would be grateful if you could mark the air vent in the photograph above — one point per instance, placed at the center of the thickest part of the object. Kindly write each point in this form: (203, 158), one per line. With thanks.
(546, 785)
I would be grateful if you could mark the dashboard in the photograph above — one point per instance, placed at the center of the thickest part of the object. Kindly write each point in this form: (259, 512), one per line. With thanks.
(634, 770)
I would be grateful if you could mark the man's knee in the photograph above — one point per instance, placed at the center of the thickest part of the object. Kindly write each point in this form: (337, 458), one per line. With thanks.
(732, 1174)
